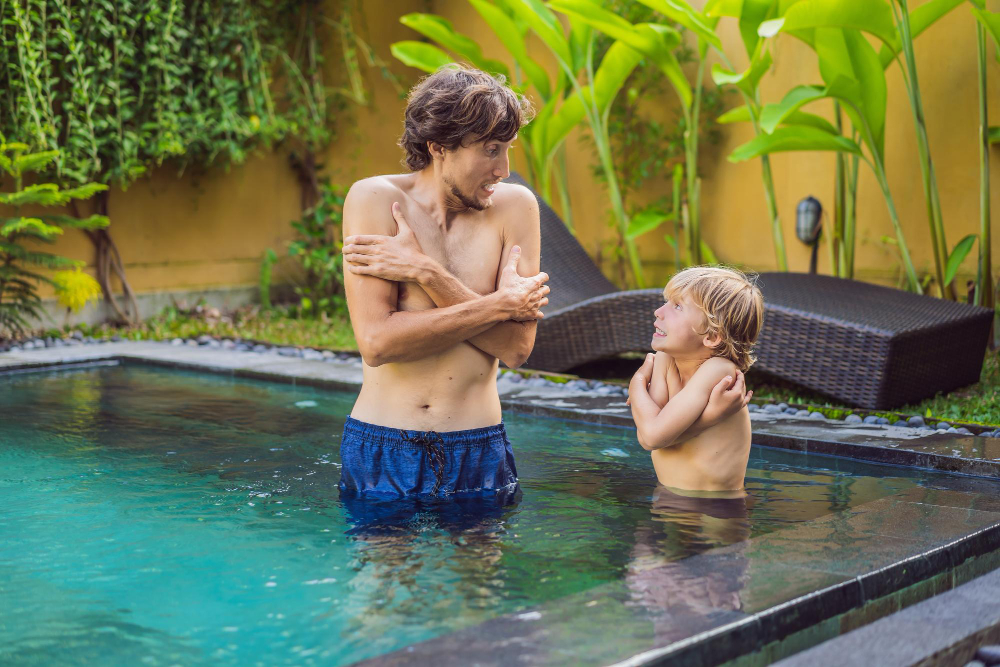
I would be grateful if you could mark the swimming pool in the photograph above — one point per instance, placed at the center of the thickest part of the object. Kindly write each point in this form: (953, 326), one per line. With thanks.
(159, 516)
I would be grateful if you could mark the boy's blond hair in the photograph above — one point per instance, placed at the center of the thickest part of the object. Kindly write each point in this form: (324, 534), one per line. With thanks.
(732, 304)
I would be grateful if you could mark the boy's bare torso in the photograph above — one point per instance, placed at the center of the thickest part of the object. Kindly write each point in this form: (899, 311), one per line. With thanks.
(713, 460)
(455, 389)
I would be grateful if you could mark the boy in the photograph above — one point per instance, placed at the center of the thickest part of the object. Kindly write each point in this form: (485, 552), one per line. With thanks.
(704, 335)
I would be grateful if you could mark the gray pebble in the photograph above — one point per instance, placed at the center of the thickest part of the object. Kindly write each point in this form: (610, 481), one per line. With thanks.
(989, 654)
(817, 415)
(514, 377)
(228, 345)
(853, 419)
(190, 342)
(204, 339)
(50, 342)
(259, 348)
(783, 406)
(942, 425)
(177, 341)
(607, 390)
(116, 338)
(537, 382)
(916, 421)
(772, 408)
(58, 342)
(330, 355)
(15, 348)
(28, 345)
(290, 352)
(882, 420)
(753, 407)
(871, 419)
(242, 347)
(991, 434)
(214, 344)
(90, 339)
(964, 431)
(901, 423)
(802, 413)
(77, 335)
(951, 430)
(312, 355)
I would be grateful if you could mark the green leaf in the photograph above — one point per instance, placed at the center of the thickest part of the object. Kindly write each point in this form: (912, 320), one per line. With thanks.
(958, 255)
(707, 253)
(748, 80)
(993, 135)
(34, 161)
(646, 221)
(772, 115)
(740, 114)
(793, 139)
(29, 226)
(871, 16)
(90, 222)
(42, 194)
(423, 56)
(683, 14)
(83, 191)
(443, 32)
(544, 24)
(921, 18)
(853, 72)
(990, 21)
(506, 30)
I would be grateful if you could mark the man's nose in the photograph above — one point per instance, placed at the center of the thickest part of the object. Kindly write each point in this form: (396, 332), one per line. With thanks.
(502, 170)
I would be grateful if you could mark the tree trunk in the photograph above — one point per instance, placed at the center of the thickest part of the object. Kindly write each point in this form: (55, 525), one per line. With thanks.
(107, 259)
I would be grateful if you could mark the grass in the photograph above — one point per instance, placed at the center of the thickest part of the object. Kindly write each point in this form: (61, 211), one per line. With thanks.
(977, 404)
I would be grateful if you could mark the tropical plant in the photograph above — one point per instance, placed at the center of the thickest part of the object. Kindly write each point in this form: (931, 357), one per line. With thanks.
(986, 23)
(21, 233)
(317, 251)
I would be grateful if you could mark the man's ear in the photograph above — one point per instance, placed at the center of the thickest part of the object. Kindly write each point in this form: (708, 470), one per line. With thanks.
(436, 150)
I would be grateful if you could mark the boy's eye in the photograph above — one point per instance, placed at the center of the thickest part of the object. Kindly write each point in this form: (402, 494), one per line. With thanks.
(677, 306)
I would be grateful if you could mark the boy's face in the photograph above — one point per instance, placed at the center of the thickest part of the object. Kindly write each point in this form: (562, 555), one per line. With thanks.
(678, 322)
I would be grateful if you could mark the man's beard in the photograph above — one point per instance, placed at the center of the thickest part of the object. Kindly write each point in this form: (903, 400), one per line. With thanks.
(467, 202)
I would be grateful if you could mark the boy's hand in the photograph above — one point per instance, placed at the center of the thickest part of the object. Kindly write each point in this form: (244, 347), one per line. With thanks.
(727, 399)
(642, 377)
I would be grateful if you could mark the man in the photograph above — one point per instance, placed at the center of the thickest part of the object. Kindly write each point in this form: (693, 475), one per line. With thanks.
(442, 281)
(435, 285)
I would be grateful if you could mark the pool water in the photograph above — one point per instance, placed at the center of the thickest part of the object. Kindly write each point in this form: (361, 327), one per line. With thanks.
(154, 516)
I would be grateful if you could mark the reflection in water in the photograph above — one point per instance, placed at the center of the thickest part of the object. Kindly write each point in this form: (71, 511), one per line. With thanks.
(398, 578)
(664, 577)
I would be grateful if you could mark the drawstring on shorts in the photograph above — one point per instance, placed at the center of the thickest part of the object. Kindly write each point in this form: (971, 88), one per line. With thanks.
(433, 444)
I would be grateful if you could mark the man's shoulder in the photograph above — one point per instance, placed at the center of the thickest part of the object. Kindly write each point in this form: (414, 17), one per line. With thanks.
(368, 205)
(516, 203)
(376, 188)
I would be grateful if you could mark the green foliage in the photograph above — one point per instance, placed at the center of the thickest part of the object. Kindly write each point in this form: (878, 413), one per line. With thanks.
(317, 251)
(264, 283)
(20, 235)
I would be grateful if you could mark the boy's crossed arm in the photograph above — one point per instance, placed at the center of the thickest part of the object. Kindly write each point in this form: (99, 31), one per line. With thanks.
(709, 397)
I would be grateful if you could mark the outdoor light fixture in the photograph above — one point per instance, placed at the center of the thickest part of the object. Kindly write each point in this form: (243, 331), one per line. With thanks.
(808, 225)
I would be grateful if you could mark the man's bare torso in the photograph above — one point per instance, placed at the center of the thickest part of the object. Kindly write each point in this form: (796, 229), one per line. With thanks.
(713, 460)
(454, 389)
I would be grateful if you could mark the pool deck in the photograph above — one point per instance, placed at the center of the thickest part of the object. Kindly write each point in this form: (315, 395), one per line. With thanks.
(753, 602)
(895, 445)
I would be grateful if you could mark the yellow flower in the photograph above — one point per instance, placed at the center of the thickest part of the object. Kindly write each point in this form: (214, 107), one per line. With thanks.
(74, 289)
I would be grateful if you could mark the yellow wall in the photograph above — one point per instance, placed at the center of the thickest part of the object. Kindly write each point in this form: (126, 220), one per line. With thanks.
(209, 230)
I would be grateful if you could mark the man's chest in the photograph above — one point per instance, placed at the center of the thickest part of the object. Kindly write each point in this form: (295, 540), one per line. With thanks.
(471, 253)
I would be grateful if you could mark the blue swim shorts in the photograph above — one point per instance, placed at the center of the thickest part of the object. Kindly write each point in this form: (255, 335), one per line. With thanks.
(392, 462)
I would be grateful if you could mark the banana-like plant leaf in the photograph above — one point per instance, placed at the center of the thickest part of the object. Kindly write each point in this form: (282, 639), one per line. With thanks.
(507, 31)
(443, 32)
(646, 221)
(650, 42)
(581, 36)
(544, 23)
(793, 139)
(921, 18)
(773, 115)
(423, 56)
(871, 16)
(958, 255)
(748, 80)
(682, 13)
(993, 134)
(990, 21)
(741, 114)
(852, 70)
(615, 67)
(707, 254)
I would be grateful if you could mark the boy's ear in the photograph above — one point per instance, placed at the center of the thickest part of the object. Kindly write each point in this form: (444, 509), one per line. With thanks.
(712, 341)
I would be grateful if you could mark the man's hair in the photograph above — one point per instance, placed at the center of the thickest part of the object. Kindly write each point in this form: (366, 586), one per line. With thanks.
(732, 304)
(457, 102)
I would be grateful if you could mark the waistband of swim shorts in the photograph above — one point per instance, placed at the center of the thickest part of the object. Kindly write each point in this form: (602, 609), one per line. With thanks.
(395, 437)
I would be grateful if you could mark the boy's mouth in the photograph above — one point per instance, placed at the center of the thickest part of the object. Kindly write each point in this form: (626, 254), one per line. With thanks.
(660, 333)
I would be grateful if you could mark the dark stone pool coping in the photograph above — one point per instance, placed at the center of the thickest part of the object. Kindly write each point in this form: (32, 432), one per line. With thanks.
(820, 590)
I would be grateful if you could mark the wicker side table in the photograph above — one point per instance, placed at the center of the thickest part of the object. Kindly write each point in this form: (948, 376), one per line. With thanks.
(868, 345)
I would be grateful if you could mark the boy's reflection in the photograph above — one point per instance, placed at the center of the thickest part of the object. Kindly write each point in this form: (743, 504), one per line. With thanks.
(665, 574)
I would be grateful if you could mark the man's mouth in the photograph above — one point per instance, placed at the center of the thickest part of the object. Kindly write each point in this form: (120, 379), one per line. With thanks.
(489, 188)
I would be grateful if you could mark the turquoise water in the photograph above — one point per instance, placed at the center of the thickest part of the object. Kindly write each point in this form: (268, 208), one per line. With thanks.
(156, 517)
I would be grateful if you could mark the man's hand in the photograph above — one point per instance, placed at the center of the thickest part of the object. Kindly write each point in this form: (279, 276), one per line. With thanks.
(727, 399)
(642, 377)
(523, 297)
(397, 258)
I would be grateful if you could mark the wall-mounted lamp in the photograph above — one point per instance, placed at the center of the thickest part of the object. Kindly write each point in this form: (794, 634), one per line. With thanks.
(808, 225)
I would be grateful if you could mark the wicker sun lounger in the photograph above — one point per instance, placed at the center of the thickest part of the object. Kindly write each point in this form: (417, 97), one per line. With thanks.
(868, 345)
(587, 317)
(863, 344)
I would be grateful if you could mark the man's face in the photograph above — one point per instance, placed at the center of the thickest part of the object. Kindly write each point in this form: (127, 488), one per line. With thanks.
(471, 171)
